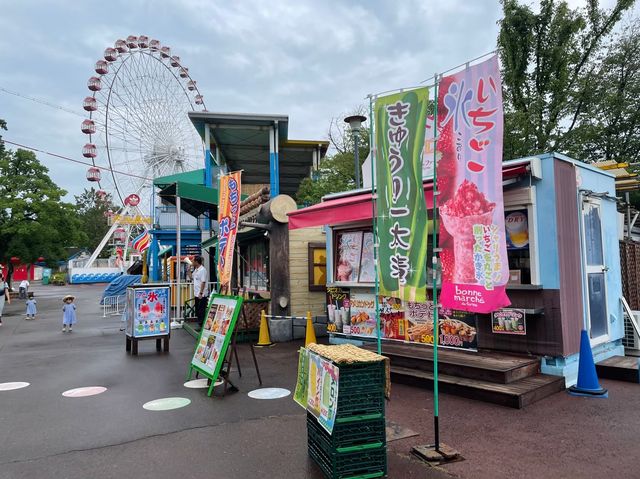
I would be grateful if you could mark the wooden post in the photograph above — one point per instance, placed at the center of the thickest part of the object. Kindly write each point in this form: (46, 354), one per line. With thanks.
(274, 213)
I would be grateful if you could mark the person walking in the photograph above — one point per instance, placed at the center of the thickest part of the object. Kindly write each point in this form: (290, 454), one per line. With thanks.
(4, 295)
(200, 288)
(23, 289)
(31, 307)
(68, 313)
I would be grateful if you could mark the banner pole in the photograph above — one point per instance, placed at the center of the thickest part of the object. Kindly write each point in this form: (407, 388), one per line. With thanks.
(434, 266)
(375, 223)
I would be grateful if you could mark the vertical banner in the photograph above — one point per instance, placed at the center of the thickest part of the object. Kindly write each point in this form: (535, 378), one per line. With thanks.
(228, 212)
(475, 269)
(402, 212)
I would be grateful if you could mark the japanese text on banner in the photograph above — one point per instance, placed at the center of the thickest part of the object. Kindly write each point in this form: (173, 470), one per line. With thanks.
(228, 213)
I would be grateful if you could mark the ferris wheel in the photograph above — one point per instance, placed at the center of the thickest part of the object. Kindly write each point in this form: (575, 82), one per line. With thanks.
(138, 128)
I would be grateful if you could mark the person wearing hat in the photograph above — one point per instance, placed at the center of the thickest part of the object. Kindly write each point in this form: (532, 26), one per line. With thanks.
(68, 313)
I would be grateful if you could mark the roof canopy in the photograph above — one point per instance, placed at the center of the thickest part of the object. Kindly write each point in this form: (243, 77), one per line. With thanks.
(242, 141)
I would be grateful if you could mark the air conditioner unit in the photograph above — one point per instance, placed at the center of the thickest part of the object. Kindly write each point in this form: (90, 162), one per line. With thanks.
(631, 340)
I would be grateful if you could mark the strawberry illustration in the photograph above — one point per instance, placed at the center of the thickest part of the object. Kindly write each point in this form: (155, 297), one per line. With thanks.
(447, 261)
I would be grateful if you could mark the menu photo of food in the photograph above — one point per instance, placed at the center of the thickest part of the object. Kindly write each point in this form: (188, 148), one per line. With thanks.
(363, 314)
(210, 317)
(457, 329)
(392, 317)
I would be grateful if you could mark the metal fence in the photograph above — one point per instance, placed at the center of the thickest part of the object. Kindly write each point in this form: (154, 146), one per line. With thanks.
(113, 305)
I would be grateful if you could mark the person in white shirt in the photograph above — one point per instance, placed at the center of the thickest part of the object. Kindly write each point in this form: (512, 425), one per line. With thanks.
(23, 289)
(200, 288)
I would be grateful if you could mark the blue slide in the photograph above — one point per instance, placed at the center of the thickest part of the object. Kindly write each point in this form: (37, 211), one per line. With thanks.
(118, 287)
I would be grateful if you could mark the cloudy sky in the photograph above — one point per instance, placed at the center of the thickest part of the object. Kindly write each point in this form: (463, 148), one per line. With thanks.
(309, 59)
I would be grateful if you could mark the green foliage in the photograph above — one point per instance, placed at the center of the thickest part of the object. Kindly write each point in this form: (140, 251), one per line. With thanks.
(34, 221)
(92, 210)
(336, 172)
(549, 61)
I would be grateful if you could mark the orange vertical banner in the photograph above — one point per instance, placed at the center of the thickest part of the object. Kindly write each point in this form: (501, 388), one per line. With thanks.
(228, 213)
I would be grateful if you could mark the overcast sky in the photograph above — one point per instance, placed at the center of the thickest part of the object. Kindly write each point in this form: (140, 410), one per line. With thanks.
(311, 60)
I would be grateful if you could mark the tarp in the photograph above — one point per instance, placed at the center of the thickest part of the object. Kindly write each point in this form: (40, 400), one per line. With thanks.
(118, 287)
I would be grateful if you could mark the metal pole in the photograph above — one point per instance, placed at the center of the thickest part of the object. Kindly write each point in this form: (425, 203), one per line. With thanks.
(178, 256)
(434, 265)
(372, 155)
(356, 134)
(626, 198)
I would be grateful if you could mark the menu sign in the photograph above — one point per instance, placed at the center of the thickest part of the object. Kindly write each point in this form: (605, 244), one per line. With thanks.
(367, 263)
(148, 312)
(516, 224)
(509, 321)
(322, 393)
(338, 312)
(215, 336)
(349, 250)
(363, 315)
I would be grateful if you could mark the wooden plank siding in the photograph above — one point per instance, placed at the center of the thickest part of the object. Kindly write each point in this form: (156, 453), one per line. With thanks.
(569, 255)
(303, 300)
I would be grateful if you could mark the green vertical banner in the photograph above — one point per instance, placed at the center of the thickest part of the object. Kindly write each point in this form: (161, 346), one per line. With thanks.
(402, 213)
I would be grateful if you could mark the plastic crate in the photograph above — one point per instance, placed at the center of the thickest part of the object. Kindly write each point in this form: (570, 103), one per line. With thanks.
(358, 402)
(366, 461)
(355, 430)
(362, 376)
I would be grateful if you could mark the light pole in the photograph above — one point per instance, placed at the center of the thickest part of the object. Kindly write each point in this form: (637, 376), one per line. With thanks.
(354, 123)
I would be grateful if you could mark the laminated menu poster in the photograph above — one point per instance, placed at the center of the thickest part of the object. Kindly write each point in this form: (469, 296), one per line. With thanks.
(349, 250)
(509, 321)
(367, 263)
(363, 315)
(148, 312)
(392, 318)
(338, 309)
(457, 329)
(215, 336)
(322, 393)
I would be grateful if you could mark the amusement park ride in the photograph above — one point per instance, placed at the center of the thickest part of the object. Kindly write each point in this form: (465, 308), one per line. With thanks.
(138, 129)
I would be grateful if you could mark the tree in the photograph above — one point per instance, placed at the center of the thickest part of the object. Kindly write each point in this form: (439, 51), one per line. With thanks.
(92, 208)
(34, 222)
(336, 171)
(548, 65)
(608, 127)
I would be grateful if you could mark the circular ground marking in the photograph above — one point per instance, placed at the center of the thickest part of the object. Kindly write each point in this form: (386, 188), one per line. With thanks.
(84, 392)
(200, 383)
(12, 386)
(269, 393)
(166, 404)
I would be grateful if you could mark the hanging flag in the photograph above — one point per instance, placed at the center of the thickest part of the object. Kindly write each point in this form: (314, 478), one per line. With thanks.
(472, 235)
(402, 212)
(228, 213)
(142, 242)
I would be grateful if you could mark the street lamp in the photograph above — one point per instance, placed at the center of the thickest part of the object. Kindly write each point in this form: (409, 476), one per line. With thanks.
(355, 121)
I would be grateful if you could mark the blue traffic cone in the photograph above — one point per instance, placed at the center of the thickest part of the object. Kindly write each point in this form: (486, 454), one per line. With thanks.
(588, 385)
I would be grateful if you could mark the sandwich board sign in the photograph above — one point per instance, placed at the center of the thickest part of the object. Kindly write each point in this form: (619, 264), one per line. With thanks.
(215, 335)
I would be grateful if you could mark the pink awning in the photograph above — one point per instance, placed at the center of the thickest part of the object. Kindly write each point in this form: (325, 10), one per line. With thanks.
(354, 208)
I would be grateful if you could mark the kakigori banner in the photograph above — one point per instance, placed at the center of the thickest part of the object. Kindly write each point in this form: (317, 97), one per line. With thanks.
(469, 170)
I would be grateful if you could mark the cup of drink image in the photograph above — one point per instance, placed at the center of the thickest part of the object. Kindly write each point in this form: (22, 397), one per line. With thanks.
(514, 324)
(501, 322)
(517, 229)
(460, 214)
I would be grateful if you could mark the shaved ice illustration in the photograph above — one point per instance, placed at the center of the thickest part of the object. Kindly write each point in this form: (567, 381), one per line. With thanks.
(467, 207)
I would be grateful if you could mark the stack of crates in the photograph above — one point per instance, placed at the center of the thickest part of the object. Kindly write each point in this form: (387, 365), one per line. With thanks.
(357, 447)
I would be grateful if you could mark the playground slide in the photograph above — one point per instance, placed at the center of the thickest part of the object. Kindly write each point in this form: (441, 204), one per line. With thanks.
(118, 287)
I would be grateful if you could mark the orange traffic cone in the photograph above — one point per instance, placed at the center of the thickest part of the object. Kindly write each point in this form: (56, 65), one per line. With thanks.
(311, 332)
(263, 338)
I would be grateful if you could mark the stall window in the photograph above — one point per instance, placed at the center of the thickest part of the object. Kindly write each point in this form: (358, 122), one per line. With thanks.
(354, 257)
(255, 265)
(317, 266)
(516, 222)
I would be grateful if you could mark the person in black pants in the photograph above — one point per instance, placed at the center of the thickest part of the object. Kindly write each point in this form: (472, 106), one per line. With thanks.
(200, 289)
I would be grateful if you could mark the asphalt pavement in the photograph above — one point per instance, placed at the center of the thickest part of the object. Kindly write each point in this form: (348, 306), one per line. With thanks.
(43, 434)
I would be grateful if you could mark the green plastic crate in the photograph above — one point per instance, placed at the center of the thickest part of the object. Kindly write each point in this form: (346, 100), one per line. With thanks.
(350, 431)
(362, 376)
(366, 461)
(353, 403)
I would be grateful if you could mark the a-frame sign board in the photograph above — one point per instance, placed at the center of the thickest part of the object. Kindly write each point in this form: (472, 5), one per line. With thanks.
(215, 336)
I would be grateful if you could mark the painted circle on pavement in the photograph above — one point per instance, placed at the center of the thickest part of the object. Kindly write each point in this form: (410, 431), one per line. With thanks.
(200, 383)
(269, 393)
(84, 392)
(166, 404)
(12, 386)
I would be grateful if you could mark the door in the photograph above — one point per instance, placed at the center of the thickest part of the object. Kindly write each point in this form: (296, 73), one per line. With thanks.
(595, 271)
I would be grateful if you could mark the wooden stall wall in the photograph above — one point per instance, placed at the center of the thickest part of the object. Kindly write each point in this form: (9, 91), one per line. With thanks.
(303, 300)
(630, 266)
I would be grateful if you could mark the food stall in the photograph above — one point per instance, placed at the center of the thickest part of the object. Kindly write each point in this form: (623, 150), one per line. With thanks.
(564, 269)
